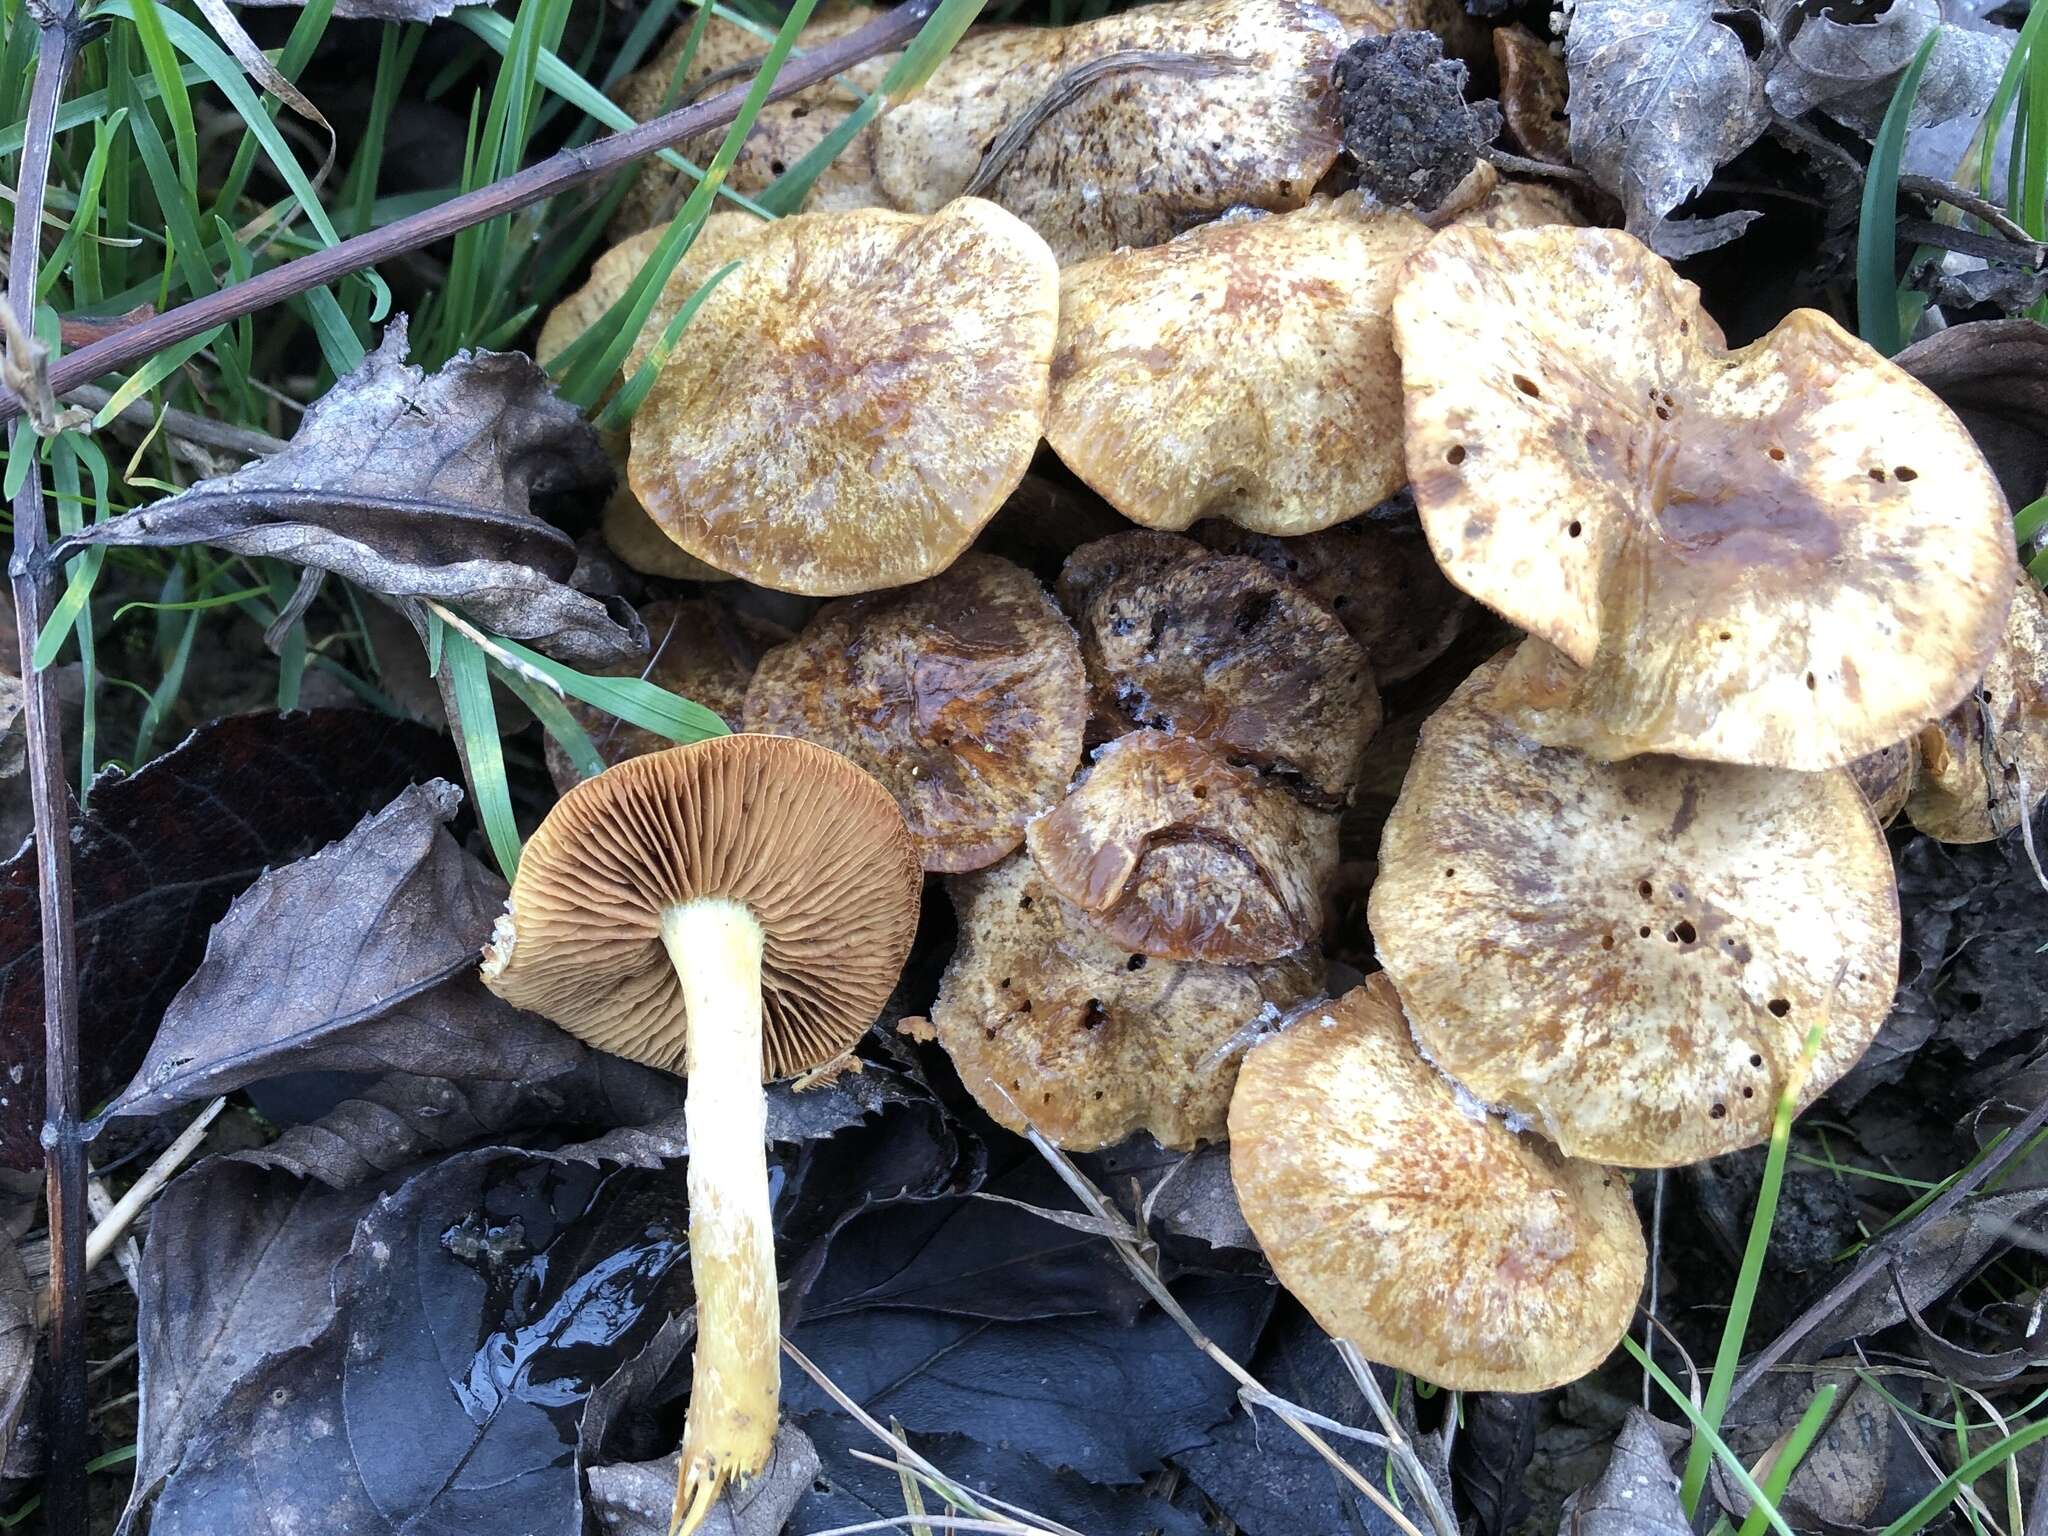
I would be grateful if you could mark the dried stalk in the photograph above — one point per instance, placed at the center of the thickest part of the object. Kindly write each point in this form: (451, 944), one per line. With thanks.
(552, 177)
(64, 1489)
(1880, 1254)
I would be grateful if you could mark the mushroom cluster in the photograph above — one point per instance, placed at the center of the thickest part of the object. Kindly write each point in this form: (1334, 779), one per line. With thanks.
(1666, 631)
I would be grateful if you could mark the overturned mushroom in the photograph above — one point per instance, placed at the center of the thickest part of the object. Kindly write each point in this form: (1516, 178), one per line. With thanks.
(1125, 130)
(1788, 555)
(785, 131)
(1243, 370)
(1428, 1234)
(964, 695)
(1178, 854)
(1375, 574)
(1218, 647)
(738, 909)
(703, 649)
(857, 399)
(1630, 954)
(1053, 1024)
(1984, 765)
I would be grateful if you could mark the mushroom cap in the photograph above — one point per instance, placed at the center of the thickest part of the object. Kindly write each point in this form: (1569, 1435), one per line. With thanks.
(1181, 639)
(1178, 854)
(783, 132)
(1886, 777)
(1047, 1017)
(703, 649)
(1787, 555)
(1429, 1235)
(808, 843)
(1955, 798)
(1375, 573)
(1140, 152)
(1513, 204)
(1244, 370)
(1532, 94)
(963, 695)
(633, 536)
(1630, 954)
(856, 400)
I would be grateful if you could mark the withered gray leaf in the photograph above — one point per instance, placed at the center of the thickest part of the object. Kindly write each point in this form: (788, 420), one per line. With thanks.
(402, 1118)
(1850, 69)
(1839, 1482)
(1661, 95)
(17, 1340)
(1994, 375)
(417, 486)
(360, 958)
(1638, 1493)
(1188, 1193)
(235, 1273)
(1939, 1257)
(634, 1498)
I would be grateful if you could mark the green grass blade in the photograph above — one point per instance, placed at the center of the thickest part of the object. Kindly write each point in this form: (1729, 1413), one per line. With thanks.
(632, 699)
(2003, 98)
(291, 654)
(1987, 1460)
(476, 733)
(1729, 1354)
(2028, 522)
(87, 210)
(620, 410)
(153, 373)
(166, 692)
(171, 91)
(554, 718)
(1797, 1444)
(934, 40)
(1877, 237)
(1706, 1434)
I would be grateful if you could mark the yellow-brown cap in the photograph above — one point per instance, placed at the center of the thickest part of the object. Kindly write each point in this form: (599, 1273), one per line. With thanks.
(1419, 1228)
(856, 400)
(963, 695)
(1138, 153)
(1243, 370)
(1630, 954)
(1053, 1024)
(1984, 765)
(702, 648)
(1786, 555)
(809, 844)
(1178, 854)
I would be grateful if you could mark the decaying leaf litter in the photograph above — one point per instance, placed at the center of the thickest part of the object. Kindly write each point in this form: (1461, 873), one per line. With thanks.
(1290, 750)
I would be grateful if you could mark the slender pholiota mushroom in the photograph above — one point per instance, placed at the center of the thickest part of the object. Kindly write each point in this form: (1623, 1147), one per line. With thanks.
(1180, 639)
(632, 535)
(1243, 370)
(1053, 1024)
(1375, 573)
(1630, 954)
(737, 910)
(1984, 765)
(856, 400)
(1787, 555)
(963, 695)
(1124, 130)
(1425, 1232)
(1178, 854)
(703, 649)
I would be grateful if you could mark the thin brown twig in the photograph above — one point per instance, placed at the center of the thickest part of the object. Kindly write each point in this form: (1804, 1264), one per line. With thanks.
(67, 1425)
(551, 177)
(1881, 1253)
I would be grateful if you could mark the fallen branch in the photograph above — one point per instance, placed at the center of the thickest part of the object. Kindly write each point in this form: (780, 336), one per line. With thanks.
(66, 1425)
(537, 183)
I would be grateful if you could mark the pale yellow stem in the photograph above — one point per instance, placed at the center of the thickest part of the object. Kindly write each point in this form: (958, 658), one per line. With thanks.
(736, 1380)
